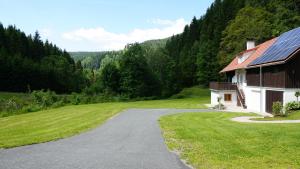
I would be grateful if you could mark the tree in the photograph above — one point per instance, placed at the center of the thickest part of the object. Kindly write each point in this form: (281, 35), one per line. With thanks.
(110, 78)
(136, 78)
(207, 64)
(27, 61)
(194, 52)
(37, 51)
(250, 23)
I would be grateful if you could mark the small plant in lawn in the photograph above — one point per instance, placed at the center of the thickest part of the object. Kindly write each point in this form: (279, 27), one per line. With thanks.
(219, 102)
(277, 108)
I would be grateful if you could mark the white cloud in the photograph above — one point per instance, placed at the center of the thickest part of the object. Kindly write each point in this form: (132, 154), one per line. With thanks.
(101, 39)
(46, 33)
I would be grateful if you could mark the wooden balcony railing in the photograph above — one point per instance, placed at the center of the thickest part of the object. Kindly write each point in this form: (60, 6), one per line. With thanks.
(222, 86)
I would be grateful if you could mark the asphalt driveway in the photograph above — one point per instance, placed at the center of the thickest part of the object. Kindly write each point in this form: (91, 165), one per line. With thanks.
(131, 140)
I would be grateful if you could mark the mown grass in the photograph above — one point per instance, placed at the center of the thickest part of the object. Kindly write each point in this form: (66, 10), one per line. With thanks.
(212, 141)
(52, 124)
(292, 116)
(66, 121)
(192, 92)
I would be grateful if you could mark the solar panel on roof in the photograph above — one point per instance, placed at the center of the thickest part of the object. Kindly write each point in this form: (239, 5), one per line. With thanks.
(284, 46)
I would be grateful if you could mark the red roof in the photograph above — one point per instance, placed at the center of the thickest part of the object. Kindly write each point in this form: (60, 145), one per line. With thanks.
(257, 52)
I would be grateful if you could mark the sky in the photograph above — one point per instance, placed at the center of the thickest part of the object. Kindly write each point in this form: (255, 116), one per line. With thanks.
(100, 25)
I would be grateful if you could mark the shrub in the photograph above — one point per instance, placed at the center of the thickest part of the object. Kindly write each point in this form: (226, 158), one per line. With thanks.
(219, 102)
(285, 111)
(75, 99)
(58, 104)
(44, 99)
(219, 107)
(293, 106)
(11, 105)
(31, 108)
(277, 108)
(2, 103)
(65, 99)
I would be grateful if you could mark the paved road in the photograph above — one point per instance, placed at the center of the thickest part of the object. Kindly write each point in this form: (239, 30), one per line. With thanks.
(131, 140)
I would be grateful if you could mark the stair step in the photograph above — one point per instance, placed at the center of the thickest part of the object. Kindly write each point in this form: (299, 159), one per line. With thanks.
(241, 98)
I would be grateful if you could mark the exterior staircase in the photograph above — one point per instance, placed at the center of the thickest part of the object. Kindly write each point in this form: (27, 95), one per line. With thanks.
(241, 98)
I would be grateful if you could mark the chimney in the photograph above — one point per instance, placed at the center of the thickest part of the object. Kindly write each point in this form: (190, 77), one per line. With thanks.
(250, 44)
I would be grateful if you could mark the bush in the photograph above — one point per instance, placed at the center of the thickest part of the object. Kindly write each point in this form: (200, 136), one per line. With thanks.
(219, 107)
(2, 103)
(11, 105)
(31, 108)
(75, 99)
(65, 99)
(286, 111)
(277, 109)
(293, 106)
(58, 104)
(44, 99)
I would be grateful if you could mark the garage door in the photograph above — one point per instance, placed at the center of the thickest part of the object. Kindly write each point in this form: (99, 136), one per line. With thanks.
(271, 97)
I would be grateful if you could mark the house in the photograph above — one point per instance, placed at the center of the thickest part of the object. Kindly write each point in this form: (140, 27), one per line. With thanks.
(262, 75)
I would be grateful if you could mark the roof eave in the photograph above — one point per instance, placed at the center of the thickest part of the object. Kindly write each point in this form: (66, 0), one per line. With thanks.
(276, 62)
(266, 64)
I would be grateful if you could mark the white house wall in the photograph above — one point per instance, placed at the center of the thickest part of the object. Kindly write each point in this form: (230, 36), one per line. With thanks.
(252, 95)
(214, 97)
(252, 98)
(289, 95)
(220, 93)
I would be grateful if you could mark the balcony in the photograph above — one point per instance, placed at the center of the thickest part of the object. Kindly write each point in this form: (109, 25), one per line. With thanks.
(222, 86)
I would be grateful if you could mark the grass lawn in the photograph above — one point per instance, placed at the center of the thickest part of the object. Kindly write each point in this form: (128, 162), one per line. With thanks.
(212, 141)
(66, 121)
(292, 116)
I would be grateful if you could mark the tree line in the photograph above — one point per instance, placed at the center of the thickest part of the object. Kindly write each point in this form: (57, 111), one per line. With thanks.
(209, 43)
(157, 68)
(28, 63)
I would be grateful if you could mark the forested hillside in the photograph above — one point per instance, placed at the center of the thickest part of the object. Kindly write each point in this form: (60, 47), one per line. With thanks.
(155, 68)
(92, 60)
(209, 43)
(28, 63)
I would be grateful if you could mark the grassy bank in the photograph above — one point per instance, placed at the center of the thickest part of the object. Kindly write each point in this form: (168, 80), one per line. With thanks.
(21, 103)
(66, 121)
(8, 95)
(212, 141)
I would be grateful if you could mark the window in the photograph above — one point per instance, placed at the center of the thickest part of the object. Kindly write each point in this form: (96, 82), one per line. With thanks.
(227, 97)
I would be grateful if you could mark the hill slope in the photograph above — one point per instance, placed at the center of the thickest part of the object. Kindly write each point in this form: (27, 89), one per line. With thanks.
(92, 60)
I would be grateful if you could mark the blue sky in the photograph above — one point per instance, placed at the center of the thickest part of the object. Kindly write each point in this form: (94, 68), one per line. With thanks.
(94, 25)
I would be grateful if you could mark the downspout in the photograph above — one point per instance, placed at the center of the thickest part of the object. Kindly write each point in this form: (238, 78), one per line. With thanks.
(261, 91)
